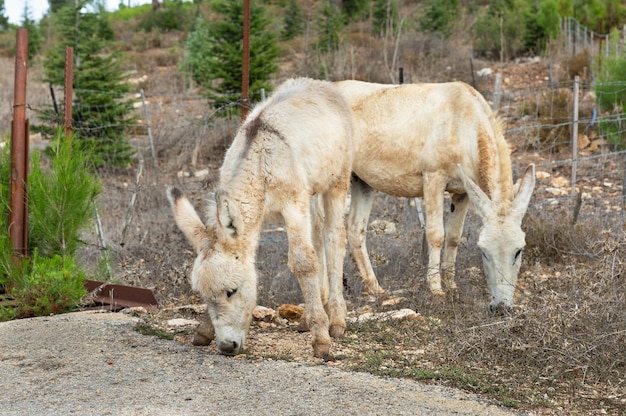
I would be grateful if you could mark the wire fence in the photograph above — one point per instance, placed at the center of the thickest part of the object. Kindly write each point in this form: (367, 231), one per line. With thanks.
(577, 154)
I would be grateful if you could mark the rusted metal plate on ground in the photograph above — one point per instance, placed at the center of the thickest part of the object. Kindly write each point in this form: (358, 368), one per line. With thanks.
(114, 297)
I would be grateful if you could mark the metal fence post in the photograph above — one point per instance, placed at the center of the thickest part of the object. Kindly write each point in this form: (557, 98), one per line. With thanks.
(18, 229)
(574, 136)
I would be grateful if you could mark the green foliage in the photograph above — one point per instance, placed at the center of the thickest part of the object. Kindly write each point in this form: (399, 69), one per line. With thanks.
(611, 93)
(4, 20)
(293, 21)
(213, 56)
(60, 200)
(60, 203)
(45, 286)
(329, 27)
(5, 243)
(125, 13)
(499, 32)
(542, 23)
(101, 111)
(439, 16)
(354, 9)
(56, 5)
(385, 17)
(172, 15)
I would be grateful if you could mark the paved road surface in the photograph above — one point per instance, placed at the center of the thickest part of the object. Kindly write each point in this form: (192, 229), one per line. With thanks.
(97, 364)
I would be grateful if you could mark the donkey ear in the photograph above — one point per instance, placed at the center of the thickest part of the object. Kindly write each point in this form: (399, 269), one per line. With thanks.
(524, 191)
(186, 218)
(229, 217)
(481, 202)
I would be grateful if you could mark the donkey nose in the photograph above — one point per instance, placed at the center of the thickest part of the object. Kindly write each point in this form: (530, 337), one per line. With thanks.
(228, 347)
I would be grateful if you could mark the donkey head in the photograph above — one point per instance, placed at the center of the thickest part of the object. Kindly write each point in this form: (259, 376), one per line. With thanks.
(223, 273)
(501, 239)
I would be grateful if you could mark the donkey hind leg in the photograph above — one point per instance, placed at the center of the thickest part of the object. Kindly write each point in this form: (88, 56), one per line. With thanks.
(335, 246)
(361, 200)
(454, 230)
(317, 224)
(304, 264)
(318, 219)
(205, 333)
(434, 186)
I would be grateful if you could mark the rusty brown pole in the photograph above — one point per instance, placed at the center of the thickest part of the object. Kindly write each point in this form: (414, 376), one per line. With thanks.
(245, 78)
(19, 159)
(69, 76)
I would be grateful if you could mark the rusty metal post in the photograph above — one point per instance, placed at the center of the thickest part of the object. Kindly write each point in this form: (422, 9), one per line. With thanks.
(19, 150)
(245, 78)
(69, 76)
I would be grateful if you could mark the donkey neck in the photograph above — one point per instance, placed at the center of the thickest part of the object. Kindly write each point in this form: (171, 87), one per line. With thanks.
(245, 187)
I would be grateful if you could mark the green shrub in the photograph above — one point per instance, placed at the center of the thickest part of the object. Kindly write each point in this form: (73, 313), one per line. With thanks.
(44, 286)
(611, 94)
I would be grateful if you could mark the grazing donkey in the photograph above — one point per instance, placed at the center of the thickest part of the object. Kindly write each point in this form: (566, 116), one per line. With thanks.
(420, 140)
(291, 157)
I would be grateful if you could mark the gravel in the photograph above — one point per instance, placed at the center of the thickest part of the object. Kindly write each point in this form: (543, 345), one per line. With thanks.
(89, 363)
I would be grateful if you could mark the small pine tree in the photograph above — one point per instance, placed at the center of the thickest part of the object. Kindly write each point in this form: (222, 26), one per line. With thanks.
(213, 56)
(329, 26)
(101, 110)
(60, 206)
(293, 20)
(60, 200)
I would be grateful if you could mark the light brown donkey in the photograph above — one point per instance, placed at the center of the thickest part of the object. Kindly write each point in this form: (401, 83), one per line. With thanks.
(420, 140)
(292, 155)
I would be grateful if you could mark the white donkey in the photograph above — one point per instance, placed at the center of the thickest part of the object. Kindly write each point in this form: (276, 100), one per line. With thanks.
(292, 154)
(420, 140)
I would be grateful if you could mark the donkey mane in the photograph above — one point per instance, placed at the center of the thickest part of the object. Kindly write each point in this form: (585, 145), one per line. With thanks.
(494, 170)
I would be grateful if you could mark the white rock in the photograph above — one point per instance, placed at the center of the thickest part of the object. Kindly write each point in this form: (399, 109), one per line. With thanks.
(386, 316)
(181, 322)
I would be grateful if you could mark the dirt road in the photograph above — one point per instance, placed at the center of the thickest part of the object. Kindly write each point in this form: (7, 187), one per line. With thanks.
(96, 363)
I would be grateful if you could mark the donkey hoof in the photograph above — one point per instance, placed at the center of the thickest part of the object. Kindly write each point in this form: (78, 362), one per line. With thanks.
(303, 326)
(321, 351)
(200, 340)
(337, 331)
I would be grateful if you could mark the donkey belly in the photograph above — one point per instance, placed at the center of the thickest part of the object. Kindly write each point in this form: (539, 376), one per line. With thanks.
(389, 178)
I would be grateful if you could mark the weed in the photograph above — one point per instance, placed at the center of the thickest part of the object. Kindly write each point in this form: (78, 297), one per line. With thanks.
(147, 329)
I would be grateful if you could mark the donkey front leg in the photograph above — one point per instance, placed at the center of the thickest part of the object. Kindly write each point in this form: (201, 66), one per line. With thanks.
(304, 264)
(454, 230)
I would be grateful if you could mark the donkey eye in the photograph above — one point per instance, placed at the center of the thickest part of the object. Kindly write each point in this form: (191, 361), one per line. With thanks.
(518, 254)
(230, 293)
